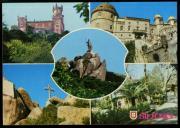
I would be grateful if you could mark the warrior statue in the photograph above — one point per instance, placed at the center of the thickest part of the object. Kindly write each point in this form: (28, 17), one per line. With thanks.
(89, 45)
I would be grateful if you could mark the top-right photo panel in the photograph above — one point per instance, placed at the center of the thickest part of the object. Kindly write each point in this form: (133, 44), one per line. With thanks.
(148, 29)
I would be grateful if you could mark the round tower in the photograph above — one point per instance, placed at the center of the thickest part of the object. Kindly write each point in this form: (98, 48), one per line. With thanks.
(171, 20)
(158, 20)
(103, 17)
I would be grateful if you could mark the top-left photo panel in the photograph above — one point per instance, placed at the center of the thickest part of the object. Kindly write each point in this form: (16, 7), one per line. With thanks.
(30, 30)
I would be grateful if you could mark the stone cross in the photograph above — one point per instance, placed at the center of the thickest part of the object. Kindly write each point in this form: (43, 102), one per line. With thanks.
(50, 90)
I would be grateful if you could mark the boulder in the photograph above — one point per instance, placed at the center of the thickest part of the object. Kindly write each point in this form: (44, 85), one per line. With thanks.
(22, 122)
(70, 100)
(35, 113)
(26, 98)
(73, 114)
(89, 64)
(66, 123)
(8, 88)
(56, 100)
(14, 110)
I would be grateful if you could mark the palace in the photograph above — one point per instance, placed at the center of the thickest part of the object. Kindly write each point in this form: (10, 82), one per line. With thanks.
(139, 30)
(55, 25)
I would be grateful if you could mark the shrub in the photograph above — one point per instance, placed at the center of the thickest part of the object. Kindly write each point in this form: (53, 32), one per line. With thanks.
(87, 87)
(48, 117)
(131, 54)
(81, 103)
(86, 120)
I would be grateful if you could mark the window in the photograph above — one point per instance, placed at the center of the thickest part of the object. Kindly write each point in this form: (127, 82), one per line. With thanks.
(110, 26)
(129, 35)
(129, 28)
(111, 15)
(137, 27)
(121, 35)
(145, 28)
(121, 28)
(156, 57)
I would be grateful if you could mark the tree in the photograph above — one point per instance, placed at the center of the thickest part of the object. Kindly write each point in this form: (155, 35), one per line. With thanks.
(14, 27)
(131, 51)
(5, 33)
(83, 9)
(54, 37)
(19, 35)
(35, 52)
(131, 91)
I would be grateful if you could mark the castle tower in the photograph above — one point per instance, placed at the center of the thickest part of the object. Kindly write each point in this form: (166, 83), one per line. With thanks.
(103, 17)
(22, 23)
(58, 22)
(158, 20)
(171, 20)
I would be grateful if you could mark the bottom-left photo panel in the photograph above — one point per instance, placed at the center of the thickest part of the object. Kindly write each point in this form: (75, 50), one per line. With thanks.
(30, 97)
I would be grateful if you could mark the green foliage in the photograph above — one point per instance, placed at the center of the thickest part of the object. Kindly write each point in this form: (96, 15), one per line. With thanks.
(131, 54)
(104, 103)
(28, 53)
(88, 87)
(54, 37)
(48, 117)
(28, 47)
(119, 116)
(86, 120)
(19, 35)
(82, 8)
(81, 103)
(111, 117)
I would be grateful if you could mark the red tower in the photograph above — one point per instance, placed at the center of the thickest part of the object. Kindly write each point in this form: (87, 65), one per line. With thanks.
(58, 22)
(22, 23)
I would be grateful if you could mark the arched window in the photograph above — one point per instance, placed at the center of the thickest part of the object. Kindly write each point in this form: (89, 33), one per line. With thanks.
(156, 57)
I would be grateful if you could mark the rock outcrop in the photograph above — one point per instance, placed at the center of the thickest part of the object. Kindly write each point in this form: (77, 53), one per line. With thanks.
(89, 64)
(26, 98)
(35, 113)
(22, 122)
(14, 108)
(56, 100)
(16, 104)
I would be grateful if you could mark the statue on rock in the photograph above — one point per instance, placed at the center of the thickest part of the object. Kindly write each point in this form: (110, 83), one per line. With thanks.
(90, 64)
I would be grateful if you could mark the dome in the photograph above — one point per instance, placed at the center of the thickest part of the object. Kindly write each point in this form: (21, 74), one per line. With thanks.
(157, 16)
(105, 7)
(171, 18)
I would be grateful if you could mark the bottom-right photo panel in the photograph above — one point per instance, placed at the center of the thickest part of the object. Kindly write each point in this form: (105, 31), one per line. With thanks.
(147, 96)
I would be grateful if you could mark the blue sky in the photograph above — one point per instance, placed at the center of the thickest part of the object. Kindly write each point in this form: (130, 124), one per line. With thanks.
(39, 12)
(33, 78)
(143, 9)
(106, 45)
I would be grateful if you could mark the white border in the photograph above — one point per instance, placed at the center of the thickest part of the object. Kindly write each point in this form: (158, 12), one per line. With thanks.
(91, 29)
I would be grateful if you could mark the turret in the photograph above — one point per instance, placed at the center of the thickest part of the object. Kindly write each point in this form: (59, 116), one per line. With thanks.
(22, 23)
(171, 20)
(58, 21)
(158, 20)
(103, 17)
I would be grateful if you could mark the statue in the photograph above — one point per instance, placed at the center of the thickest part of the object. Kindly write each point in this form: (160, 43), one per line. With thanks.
(89, 46)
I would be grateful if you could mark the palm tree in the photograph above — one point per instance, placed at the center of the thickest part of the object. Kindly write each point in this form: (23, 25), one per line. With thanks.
(133, 91)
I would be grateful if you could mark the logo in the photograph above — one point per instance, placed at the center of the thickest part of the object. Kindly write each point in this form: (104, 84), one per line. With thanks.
(133, 115)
